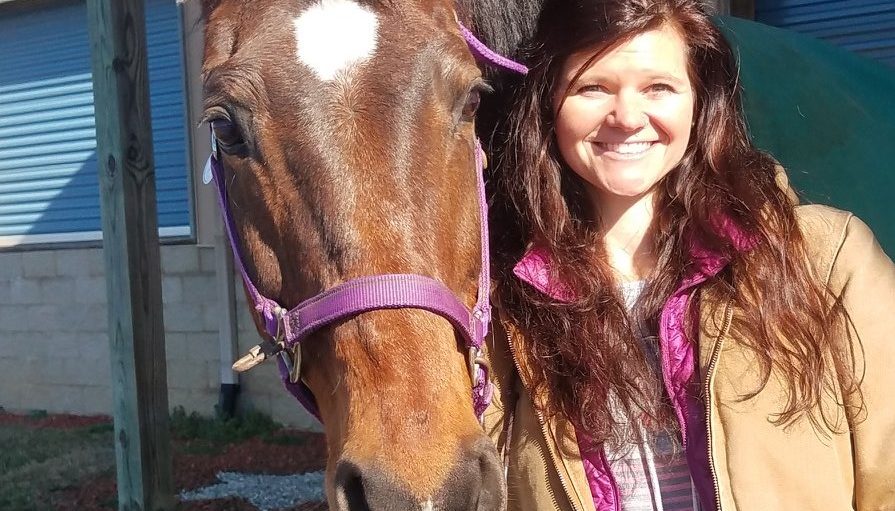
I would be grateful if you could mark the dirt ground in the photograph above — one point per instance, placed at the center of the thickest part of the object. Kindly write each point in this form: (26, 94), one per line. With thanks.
(195, 465)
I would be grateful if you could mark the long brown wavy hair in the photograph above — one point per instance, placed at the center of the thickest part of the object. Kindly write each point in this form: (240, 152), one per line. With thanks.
(584, 353)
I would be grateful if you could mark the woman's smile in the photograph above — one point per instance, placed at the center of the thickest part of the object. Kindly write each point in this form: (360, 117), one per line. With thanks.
(625, 151)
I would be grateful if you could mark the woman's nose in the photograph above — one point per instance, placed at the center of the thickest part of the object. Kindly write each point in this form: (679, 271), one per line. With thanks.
(628, 113)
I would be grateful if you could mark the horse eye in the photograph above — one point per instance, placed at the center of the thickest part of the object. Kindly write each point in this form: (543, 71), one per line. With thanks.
(473, 100)
(228, 135)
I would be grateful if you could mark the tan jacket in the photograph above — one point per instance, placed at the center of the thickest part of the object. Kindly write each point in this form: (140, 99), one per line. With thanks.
(757, 465)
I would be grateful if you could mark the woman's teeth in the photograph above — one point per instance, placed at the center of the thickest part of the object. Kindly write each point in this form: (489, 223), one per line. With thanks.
(627, 148)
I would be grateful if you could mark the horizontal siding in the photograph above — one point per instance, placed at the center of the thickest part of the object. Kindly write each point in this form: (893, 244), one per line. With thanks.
(48, 170)
(866, 27)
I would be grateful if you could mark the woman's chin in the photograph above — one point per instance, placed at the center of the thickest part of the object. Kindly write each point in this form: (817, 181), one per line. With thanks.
(627, 191)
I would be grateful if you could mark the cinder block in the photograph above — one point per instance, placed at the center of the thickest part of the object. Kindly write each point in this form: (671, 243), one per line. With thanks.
(40, 396)
(80, 261)
(13, 318)
(15, 396)
(199, 288)
(213, 315)
(94, 347)
(11, 265)
(44, 319)
(62, 398)
(176, 345)
(70, 344)
(25, 290)
(58, 290)
(96, 399)
(172, 289)
(207, 259)
(6, 295)
(244, 321)
(202, 347)
(90, 289)
(97, 262)
(184, 317)
(14, 344)
(85, 318)
(82, 371)
(39, 264)
(214, 373)
(188, 375)
(51, 370)
(179, 259)
(12, 372)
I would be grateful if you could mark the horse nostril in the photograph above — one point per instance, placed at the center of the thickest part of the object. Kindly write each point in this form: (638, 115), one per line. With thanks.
(366, 488)
(492, 494)
(476, 483)
(349, 486)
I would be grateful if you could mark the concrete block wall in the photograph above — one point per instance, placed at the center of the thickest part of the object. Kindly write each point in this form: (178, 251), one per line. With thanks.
(54, 348)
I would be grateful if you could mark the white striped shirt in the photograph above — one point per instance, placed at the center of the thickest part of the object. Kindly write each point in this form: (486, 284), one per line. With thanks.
(651, 476)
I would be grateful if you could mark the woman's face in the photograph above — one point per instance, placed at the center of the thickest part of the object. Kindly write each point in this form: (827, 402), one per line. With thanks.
(626, 122)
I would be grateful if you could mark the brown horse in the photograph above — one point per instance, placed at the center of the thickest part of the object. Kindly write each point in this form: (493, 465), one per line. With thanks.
(345, 131)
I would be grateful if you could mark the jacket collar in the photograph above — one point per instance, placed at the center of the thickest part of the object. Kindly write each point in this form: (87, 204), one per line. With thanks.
(535, 267)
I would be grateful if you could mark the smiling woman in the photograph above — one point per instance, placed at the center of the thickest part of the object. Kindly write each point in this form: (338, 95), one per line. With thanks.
(623, 120)
(678, 334)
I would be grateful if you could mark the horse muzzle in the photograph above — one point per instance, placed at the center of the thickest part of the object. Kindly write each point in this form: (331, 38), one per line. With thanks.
(476, 483)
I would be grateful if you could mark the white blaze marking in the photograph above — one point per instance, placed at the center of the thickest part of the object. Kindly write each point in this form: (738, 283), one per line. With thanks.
(427, 506)
(333, 35)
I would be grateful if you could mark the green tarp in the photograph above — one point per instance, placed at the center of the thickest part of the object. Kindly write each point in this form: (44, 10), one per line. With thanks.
(826, 114)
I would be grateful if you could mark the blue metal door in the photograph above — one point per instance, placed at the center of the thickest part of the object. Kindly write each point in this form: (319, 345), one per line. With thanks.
(48, 173)
(866, 27)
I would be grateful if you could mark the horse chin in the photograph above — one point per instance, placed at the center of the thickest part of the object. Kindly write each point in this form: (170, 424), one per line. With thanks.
(475, 482)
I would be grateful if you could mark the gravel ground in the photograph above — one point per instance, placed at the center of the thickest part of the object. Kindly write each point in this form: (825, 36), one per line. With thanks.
(266, 492)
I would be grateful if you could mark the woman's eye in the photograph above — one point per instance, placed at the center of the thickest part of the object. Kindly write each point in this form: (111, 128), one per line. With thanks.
(593, 89)
(471, 106)
(227, 134)
(660, 88)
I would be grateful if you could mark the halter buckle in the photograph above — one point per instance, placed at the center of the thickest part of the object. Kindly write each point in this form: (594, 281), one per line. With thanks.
(269, 348)
(292, 358)
(259, 353)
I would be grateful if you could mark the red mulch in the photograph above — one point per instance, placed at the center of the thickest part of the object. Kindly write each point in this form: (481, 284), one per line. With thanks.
(58, 421)
(304, 452)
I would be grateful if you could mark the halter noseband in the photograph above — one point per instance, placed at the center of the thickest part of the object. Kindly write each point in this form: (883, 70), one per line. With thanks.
(287, 328)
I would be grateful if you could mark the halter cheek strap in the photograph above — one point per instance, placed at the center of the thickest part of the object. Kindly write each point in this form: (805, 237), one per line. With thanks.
(288, 328)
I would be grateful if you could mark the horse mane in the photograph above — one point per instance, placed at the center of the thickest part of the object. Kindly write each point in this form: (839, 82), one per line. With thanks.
(503, 25)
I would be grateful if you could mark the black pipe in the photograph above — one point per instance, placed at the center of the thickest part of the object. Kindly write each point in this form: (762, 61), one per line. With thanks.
(227, 400)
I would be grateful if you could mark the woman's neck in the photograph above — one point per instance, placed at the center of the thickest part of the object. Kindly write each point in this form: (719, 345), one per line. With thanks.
(628, 234)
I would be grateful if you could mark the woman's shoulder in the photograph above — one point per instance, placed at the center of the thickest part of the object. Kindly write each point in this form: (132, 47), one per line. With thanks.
(838, 242)
(822, 225)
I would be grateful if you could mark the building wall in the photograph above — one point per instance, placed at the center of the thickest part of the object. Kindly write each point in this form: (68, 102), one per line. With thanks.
(54, 348)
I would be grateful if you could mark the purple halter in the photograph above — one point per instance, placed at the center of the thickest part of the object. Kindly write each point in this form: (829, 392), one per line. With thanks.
(287, 328)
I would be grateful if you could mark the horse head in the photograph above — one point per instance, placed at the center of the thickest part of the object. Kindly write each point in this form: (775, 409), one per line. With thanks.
(346, 146)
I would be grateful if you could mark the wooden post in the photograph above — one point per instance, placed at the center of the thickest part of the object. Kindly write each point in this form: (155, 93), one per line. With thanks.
(131, 252)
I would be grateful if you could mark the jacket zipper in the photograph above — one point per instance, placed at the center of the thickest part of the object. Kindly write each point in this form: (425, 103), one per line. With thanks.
(546, 434)
(716, 354)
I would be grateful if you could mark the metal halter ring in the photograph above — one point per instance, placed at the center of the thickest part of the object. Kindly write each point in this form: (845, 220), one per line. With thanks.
(474, 360)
